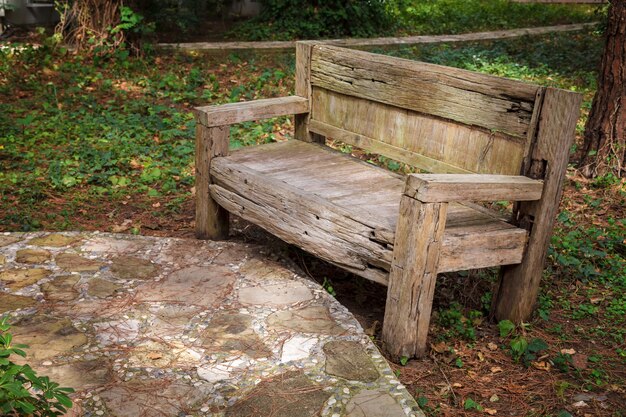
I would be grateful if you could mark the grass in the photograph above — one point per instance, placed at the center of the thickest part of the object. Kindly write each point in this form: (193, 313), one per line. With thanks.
(452, 16)
(107, 144)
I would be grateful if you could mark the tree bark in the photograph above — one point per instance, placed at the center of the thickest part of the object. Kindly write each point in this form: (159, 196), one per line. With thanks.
(604, 147)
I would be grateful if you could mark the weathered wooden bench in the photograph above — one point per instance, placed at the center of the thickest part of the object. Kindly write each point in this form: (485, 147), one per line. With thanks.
(482, 138)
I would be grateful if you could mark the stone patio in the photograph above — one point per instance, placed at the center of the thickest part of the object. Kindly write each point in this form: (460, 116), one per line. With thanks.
(144, 326)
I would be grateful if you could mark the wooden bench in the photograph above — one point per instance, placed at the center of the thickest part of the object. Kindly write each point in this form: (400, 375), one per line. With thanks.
(480, 137)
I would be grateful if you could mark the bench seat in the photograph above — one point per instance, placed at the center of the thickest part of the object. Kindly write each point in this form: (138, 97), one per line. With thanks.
(345, 210)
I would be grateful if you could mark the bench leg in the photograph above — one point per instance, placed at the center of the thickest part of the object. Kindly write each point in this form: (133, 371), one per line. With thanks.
(413, 276)
(211, 219)
(519, 284)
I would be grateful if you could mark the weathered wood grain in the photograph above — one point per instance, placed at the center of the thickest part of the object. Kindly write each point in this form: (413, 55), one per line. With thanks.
(426, 142)
(413, 276)
(481, 248)
(211, 219)
(375, 146)
(463, 96)
(303, 89)
(291, 229)
(436, 188)
(307, 208)
(519, 284)
(231, 113)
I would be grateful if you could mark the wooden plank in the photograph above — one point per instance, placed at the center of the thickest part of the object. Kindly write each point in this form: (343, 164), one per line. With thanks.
(470, 98)
(298, 231)
(413, 276)
(231, 113)
(481, 249)
(354, 228)
(211, 219)
(375, 146)
(519, 284)
(436, 188)
(426, 142)
(384, 41)
(303, 89)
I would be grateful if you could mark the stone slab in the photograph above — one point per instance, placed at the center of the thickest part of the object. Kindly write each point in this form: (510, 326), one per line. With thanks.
(310, 319)
(63, 288)
(373, 403)
(189, 286)
(102, 288)
(10, 302)
(48, 337)
(16, 279)
(270, 398)
(348, 360)
(76, 263)
(54, 240)
(132, 267)
(167, 327)
(32, 256)
(282, 294)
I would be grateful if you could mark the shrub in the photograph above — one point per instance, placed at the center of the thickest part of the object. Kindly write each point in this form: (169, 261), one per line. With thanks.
(315, 19)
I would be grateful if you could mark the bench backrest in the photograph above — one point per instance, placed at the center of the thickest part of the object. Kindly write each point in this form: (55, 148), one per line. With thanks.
(435, 118)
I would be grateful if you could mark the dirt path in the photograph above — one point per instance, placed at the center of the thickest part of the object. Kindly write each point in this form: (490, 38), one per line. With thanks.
(388, 41)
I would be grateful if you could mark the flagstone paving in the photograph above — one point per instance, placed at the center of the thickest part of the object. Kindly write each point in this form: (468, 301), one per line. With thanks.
(142, 326)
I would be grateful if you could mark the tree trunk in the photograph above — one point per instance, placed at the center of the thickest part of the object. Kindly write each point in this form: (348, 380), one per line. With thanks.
(604, 148)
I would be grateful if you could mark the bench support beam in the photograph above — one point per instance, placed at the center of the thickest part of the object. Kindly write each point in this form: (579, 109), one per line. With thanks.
(211, 219)
(519, 284)
(412, 278)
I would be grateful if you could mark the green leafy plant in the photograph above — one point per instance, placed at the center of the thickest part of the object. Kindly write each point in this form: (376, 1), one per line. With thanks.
(506, 327)
(521, 349)
(22, 392)
(329, 287)
(288, 19)
(470, 404)
(457, 324)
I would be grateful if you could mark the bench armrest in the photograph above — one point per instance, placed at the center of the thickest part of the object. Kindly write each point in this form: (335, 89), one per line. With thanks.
(437, 188)
(231, 113)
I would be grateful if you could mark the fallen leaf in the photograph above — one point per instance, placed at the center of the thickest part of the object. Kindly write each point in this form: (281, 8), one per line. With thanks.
(492, 346)
(439, 347)
(568, 351)
(457, 385)
(120, 228)
(491, 411)
(542, 365)
(579, 361)
(494, 398)
(154, 355)
(496, 369)
(481, 357)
